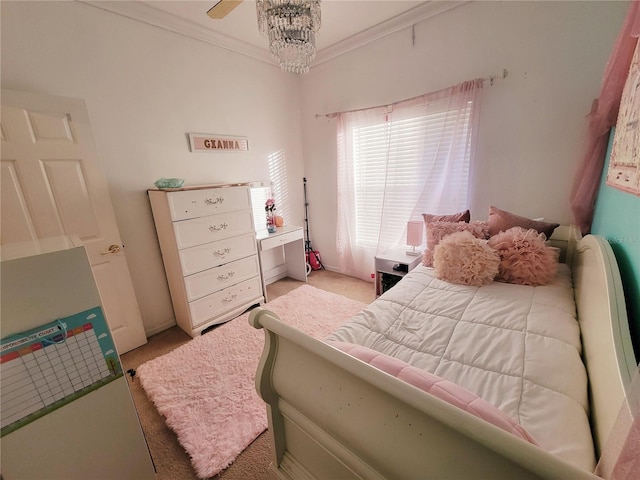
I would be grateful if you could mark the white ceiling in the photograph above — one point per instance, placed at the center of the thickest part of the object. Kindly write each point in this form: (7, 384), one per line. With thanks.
(346, 24)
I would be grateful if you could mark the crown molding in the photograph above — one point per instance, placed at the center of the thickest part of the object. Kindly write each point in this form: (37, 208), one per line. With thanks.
(395, 24)
(152, 16)
(144, 13)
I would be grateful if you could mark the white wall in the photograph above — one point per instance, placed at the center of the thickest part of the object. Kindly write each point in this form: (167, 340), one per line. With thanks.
(532, 124)
(145, 88)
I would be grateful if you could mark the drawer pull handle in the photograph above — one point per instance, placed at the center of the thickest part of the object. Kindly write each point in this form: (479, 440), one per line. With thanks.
(222, 226)
(112, 249)
(213, 201)
(221, 253)
(229, 275)
(230, 298)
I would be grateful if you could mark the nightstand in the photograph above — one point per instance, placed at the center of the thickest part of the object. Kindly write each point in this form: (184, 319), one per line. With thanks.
(391, 266)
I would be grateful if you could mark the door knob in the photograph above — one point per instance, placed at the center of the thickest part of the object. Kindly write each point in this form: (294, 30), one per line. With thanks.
(112, 249)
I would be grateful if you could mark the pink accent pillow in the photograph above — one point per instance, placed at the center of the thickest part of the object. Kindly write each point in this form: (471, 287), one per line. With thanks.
(525, 258)
(464, 259)
(454, 217)
(436, 386)
(436, 231)
(501, 220)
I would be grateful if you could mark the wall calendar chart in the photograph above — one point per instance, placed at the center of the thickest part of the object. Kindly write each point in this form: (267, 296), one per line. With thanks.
(52, 365)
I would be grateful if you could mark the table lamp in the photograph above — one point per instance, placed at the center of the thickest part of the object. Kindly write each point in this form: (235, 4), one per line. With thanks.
(414, 236)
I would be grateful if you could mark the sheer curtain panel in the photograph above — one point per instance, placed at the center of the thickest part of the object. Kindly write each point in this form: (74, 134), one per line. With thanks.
(398, 161)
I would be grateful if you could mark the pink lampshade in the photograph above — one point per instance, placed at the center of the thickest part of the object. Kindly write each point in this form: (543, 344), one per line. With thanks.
(414, 235)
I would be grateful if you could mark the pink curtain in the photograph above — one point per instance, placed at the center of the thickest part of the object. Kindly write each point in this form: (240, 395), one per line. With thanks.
(603, 116)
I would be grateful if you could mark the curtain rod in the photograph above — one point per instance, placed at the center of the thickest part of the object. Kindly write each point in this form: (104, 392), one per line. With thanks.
(491, 79)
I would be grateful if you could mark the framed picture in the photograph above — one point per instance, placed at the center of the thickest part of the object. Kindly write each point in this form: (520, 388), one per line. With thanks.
(624, 165)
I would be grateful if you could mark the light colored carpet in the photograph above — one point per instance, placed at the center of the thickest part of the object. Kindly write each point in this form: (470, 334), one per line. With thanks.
(205, 388)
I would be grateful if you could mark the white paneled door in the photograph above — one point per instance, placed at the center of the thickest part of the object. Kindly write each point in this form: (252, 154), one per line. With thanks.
(52, 184)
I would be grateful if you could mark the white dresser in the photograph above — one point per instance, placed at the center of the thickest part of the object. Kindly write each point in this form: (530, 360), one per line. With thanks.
(208, 245)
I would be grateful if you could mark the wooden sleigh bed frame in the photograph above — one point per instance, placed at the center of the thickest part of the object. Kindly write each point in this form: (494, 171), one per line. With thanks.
(332, 416)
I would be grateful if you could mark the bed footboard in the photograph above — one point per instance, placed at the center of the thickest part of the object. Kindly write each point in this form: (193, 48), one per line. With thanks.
(332, 416)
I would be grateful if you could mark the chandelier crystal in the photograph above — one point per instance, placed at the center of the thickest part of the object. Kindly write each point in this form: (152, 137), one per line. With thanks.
(290, 26)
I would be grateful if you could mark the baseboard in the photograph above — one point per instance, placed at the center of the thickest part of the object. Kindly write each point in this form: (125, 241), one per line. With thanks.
(161, 328)
(333, 268)
(274, 274)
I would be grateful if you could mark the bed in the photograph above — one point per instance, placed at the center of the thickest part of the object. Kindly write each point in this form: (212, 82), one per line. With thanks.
(332, 415)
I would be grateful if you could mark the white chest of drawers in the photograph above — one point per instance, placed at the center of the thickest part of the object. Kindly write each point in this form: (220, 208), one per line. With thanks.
(208, 246)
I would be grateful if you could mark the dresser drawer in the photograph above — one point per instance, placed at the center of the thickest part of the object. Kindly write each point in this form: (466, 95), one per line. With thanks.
(218, 303)
(215, 279)
(203, 257)
(211, 228)
(197, 203)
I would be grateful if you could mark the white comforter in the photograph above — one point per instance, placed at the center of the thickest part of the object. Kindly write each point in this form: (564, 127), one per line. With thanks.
(517, 347)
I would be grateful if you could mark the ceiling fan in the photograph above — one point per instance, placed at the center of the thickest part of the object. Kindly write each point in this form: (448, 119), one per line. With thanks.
(222, 8)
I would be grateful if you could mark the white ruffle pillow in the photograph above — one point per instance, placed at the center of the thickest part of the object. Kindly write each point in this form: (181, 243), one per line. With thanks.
(465, 259)
(525, 257)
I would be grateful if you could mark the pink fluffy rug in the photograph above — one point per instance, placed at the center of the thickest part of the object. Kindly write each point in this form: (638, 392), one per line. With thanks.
(205, 389)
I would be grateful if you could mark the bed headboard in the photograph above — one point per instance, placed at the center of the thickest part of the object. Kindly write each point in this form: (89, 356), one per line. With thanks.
(606, 341)
(565, 238)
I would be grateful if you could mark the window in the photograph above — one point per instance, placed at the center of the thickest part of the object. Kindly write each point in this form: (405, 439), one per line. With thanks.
(396, 163)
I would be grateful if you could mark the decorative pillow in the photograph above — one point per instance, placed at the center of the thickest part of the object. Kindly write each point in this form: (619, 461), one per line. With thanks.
(436, 386)
(525, 258)
(464, 259)
(436, 231)
(454, 217)
(501, 220)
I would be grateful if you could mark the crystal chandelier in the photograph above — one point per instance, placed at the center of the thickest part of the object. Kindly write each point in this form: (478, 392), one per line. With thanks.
(290, 26)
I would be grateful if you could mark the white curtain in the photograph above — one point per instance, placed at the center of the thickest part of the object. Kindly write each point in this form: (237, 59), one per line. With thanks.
(398, 161)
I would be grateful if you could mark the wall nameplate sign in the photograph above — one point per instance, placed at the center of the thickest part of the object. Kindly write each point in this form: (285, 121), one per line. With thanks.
(206, 142)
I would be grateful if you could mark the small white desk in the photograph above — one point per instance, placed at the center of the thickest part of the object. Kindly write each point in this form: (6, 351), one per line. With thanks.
(292, 239)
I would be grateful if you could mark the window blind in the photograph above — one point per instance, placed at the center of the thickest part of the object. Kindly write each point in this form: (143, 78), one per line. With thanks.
(401, 155)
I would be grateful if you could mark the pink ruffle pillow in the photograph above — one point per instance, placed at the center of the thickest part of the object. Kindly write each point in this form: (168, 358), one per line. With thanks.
(525, 257)
(436, 231)
(462, 258)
